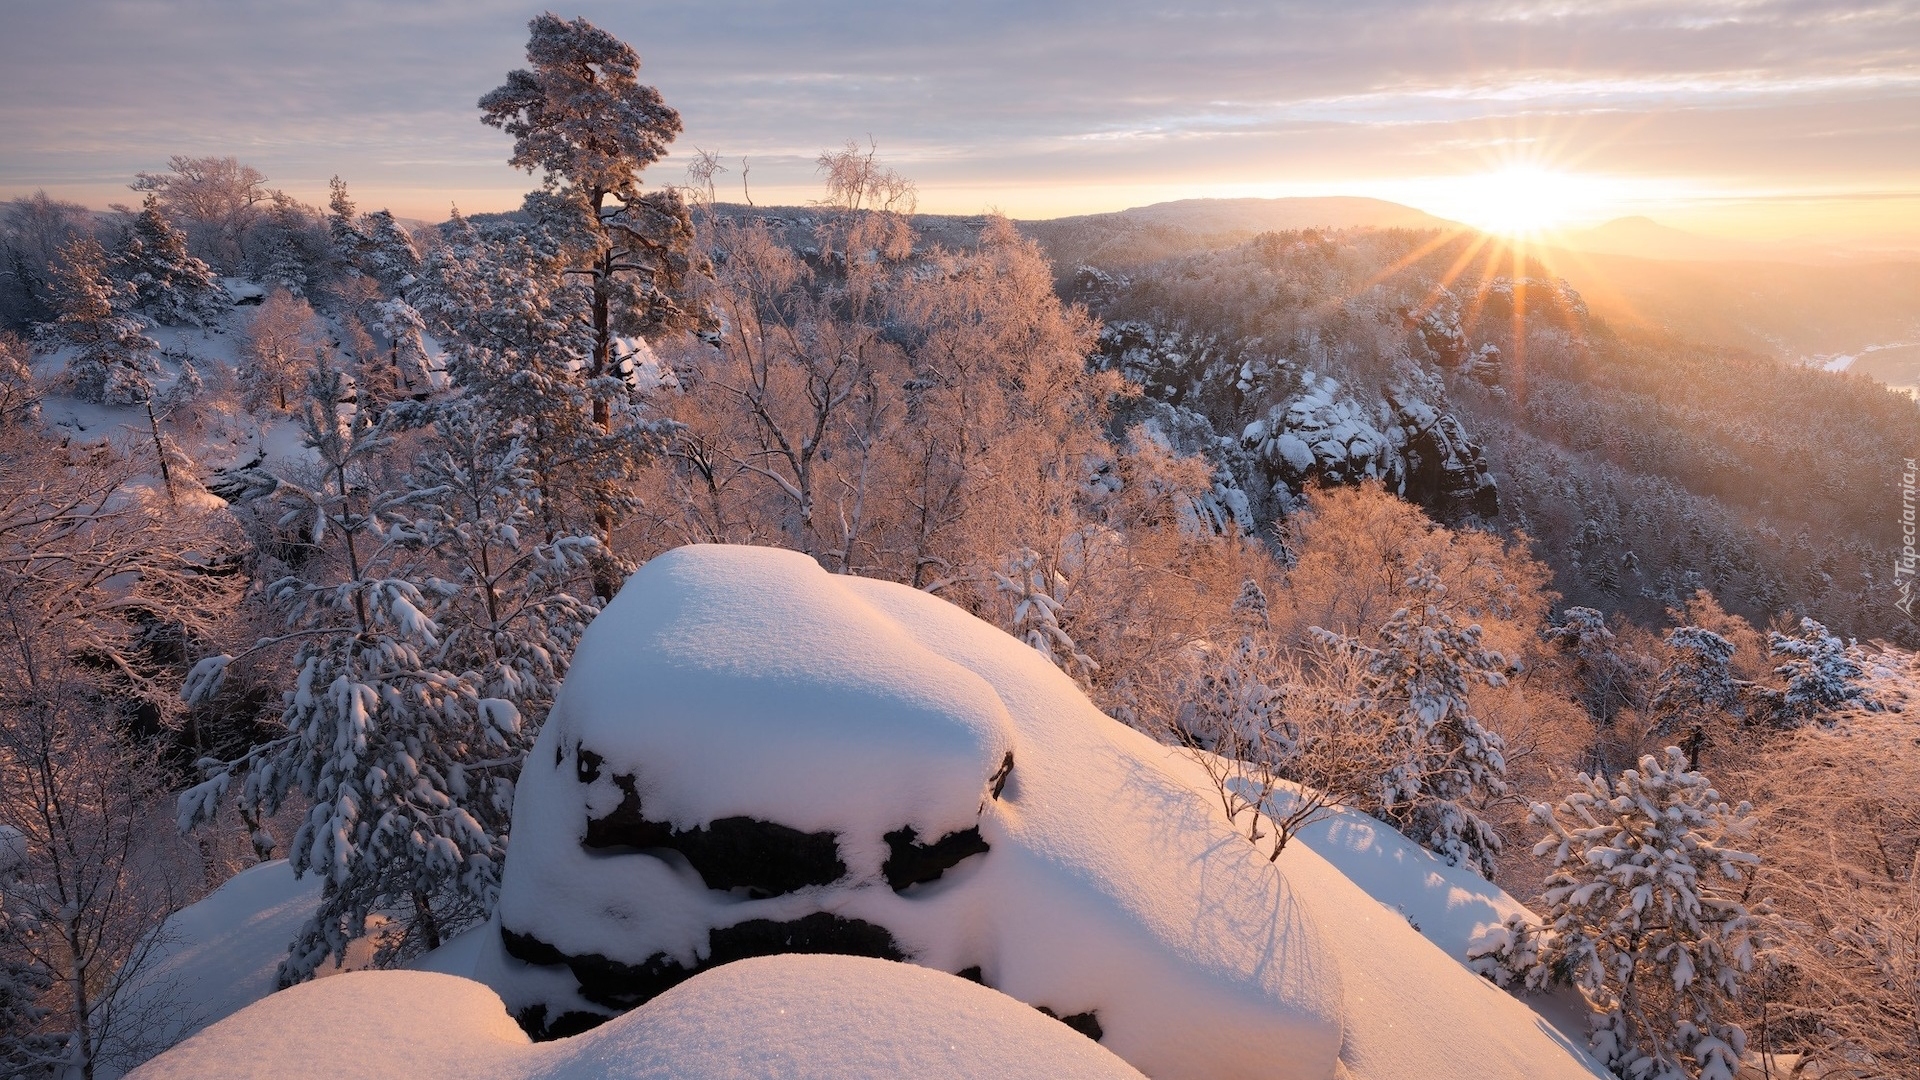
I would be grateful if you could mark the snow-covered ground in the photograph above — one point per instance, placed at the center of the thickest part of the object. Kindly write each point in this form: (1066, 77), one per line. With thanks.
(770, 1018)
(213, 431)
(749, 684)
(220, 955)
(1843, 361)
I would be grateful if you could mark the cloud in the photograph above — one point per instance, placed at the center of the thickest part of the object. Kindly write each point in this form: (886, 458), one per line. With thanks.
(964, 96)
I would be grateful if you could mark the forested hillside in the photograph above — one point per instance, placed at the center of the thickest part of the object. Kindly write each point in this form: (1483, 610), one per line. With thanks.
(1643, 467)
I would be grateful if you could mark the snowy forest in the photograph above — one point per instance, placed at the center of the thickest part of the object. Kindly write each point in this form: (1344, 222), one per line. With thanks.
(305, 510)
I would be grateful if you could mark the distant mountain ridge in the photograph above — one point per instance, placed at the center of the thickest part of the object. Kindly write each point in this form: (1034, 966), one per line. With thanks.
(1271, 215)
(1144, 234)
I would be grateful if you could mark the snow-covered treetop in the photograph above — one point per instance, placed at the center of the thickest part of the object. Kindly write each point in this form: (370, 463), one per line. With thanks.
(581, 114)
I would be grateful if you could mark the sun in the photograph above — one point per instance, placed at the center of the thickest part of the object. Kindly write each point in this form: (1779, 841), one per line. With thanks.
(1519, 200)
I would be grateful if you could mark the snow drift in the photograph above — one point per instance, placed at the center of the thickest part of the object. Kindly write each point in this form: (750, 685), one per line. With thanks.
(772, 1018)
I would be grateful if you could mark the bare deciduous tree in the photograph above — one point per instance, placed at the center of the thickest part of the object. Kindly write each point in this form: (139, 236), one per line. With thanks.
(277, 346)
(89, 895)
(217, 197)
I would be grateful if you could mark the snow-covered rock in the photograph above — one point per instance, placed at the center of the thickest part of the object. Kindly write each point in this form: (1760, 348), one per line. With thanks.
(753, 756)
(820, 717)
(772, 1018)
(1314, 428)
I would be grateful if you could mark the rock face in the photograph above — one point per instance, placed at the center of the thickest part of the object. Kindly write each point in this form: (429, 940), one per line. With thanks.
(754, 757)
(1317, 429)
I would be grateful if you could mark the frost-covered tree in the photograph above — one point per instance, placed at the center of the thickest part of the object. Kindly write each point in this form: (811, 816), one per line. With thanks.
(376, 245)
(1445, 763)
(404, 764)
(520, 346)
(32, 232)
(1823, 673)
(390, 256)
(218, 198)
(1606, 679)
(1251, 604)
(113, 358)
(1037, 593)
(1695, 687)
(521, 603)
(1647, 917)
(581, 117)
(81, 908)
(401, 324)
(169, 285)
(276, 347)
(98, 578)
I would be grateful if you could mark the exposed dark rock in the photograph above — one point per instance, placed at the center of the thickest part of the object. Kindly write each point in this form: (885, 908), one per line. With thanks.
(1086, 1023)
(1447, 473)
(620, 986)
(999, 777)
(765, 857)
(972, 974)
(912, 862)
(533, 1020)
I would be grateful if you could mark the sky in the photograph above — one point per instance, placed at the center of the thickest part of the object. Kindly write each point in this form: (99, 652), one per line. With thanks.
(1761, 119)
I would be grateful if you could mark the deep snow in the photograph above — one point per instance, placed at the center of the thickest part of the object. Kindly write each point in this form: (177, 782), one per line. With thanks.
(770, 1018)
(734, 681)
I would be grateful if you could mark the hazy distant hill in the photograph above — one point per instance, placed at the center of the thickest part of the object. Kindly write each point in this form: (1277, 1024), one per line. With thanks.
(1145, 233)
(1274, 215)
(1645, 238)
(1783, 309)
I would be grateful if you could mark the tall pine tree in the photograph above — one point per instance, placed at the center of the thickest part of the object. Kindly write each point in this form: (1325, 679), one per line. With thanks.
(582, 118)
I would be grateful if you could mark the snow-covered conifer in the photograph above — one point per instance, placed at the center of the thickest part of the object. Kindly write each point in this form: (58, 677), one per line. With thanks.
(520, 345)
(522, 603)
(581, 116)
(113, 359)
(403, 328)
(404, 764)
(1647, 917)
(169, 285)
(391, 257)
(286, 267)
(1696, 685)
(343, 222)
(1606, 677)
(1446, 763)
(376, 244)
(1823, 673)
(1251, 604)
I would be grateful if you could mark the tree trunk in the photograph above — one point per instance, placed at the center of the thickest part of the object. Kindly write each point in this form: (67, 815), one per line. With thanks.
(160, 451)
